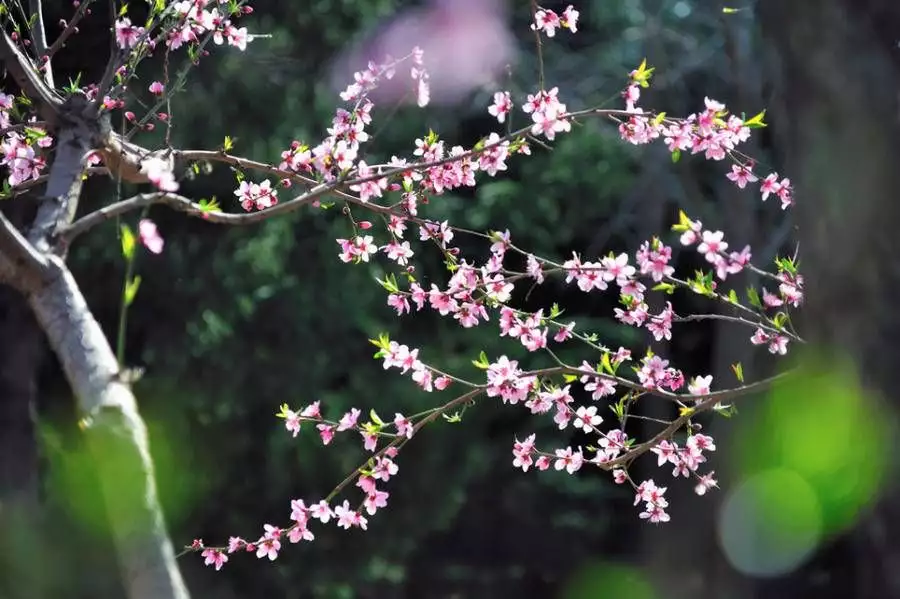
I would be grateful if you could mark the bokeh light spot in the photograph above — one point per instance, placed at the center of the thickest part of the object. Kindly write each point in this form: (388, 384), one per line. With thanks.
(770, 524)
(601, 580)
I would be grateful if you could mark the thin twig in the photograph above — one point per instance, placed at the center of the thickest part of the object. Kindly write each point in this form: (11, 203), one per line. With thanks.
(69, 30)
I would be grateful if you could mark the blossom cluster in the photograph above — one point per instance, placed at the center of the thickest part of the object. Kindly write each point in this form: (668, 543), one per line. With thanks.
(475, 289)
(712, 132)
(483, 288)
(193, 19)
(19, 153)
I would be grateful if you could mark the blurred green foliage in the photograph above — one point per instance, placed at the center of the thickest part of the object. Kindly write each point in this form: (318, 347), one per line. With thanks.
(826, 429)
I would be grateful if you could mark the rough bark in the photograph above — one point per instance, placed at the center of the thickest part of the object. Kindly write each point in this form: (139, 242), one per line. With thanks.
(113, 428)
(115, 434)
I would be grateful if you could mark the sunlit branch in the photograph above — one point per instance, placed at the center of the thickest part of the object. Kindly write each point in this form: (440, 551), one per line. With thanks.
(28, 79)
(39, 36)
(738, 320)
(675, 397)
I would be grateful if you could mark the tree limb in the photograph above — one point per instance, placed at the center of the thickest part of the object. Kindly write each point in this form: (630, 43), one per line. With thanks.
(39, 35)
(20, 264)
(115, 434)
(27, 77)
(78, 133)
(113, 427)
(182, 204)
(70, 28)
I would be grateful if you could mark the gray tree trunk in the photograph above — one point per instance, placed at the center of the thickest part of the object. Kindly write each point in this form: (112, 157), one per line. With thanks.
(112, 426)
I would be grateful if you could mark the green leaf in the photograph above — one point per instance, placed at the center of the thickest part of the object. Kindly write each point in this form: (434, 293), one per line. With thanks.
(756, 122)
(383, 343)
(128, 242)
(779, 320)
(482, 362)
(373, 416)
(555, 311)
(618, 409)
(605, 365)
(389, 283)
(753, 297)
(131, 289)
(738, 370)
(676, 156)
(209, 205)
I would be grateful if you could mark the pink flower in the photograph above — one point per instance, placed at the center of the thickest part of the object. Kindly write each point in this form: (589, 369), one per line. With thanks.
(570, 19)
(150, 236)
(546, 21)
(214, 557)
(269, 544)
(566, 458)
(374, 500)
(700, 385)
(348, 420)
(522, 451)
(322, 512)
(769, 186)
(292, 422)
(384, 469)
(127, 35)
(586, 418)
(442, 382)
(741, 175)
(404, 426)
(705, 483)
(326, 432)
(159, 172)
(501, 107)
(236, 543)
(347, 518)
(157, 88)
(666, 451)
(712, 245)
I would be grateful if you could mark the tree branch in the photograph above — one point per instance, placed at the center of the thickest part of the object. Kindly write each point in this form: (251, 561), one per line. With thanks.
(27, 77)
(21, 266)
(116, 435)
(69, 30)
(78, 134)
(39, 35)
(182, 204)
(113, 427)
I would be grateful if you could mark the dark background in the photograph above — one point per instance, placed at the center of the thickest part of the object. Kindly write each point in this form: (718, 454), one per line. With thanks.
(231, 323)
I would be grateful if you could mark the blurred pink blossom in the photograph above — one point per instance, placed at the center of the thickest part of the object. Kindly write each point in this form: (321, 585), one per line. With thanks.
(467, 45)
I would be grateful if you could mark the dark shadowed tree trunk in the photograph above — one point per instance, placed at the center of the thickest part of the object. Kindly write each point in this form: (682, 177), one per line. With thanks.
(21, 348)
(836, 70)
